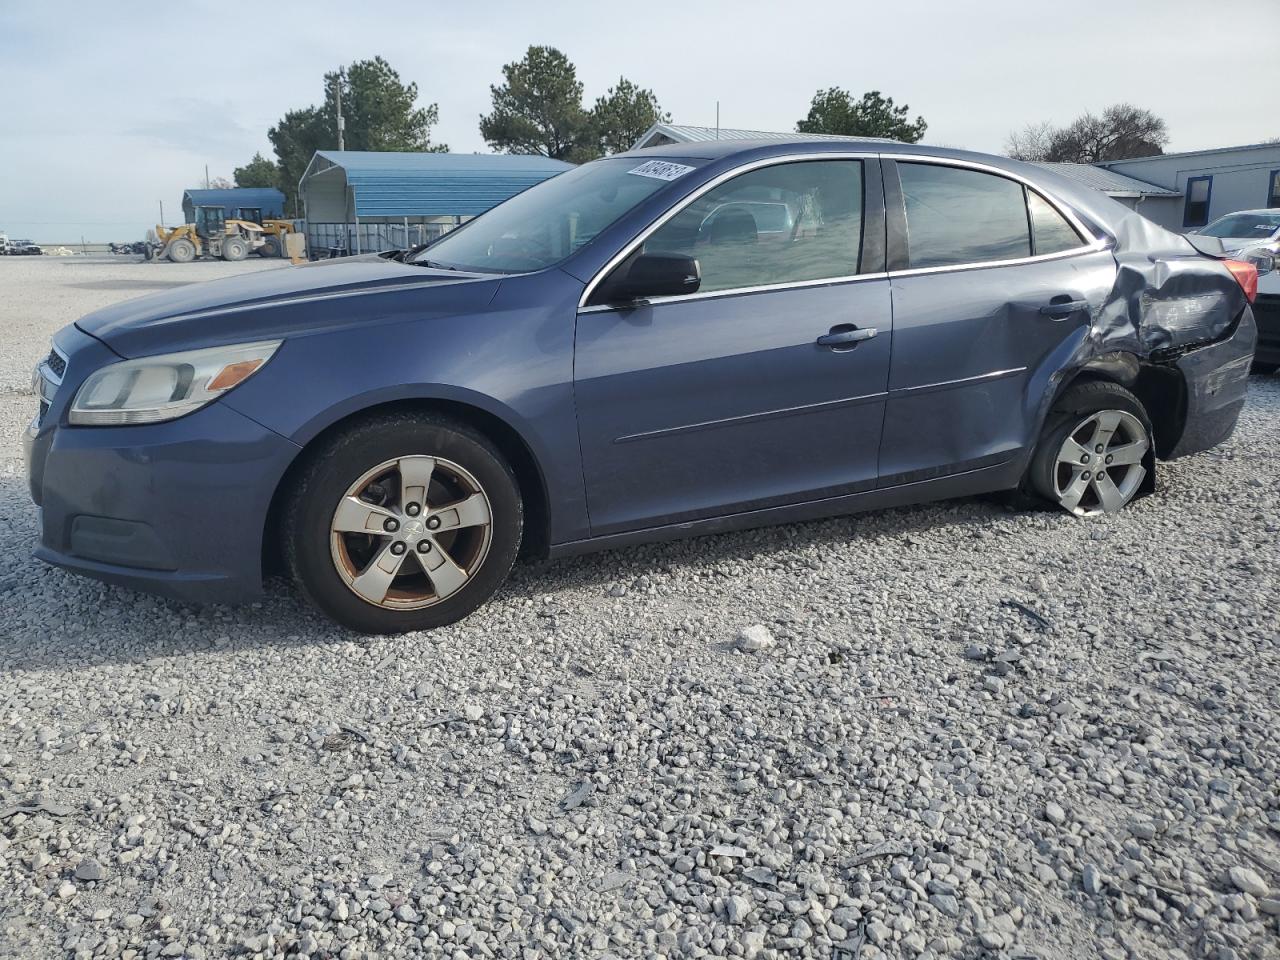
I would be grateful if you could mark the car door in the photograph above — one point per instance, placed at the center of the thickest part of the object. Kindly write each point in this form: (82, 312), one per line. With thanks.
(993, 288)
(724, 400)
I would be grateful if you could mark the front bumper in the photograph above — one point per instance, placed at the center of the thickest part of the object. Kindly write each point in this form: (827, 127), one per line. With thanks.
(1217, 379)
(174, 508)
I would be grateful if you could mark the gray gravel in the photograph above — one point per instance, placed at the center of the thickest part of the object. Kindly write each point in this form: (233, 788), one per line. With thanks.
(940, 731)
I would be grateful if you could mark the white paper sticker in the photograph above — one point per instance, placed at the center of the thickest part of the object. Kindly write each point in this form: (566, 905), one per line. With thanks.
(661, 170)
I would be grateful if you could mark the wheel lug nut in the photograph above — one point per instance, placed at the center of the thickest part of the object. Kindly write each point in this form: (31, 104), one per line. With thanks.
(413, 509)
(390, 525)
(1110, 458)
(1085, 475)
(433, 523)
(1098, 448)
(424, 546)
(1085, 459)
(397, 548)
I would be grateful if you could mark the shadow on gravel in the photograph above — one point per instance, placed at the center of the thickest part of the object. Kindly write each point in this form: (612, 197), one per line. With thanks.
(54, 619)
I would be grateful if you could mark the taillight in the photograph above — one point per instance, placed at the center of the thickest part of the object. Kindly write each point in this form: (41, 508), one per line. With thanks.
(1247, 274)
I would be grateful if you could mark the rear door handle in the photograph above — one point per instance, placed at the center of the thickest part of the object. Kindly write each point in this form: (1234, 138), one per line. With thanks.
(1060, 310)
(846, 336)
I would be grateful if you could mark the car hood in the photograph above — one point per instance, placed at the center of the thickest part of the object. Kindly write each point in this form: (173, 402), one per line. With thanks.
(288, 301)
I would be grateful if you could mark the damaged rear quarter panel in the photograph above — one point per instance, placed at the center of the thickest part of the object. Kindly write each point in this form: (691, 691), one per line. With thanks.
(1176, 309)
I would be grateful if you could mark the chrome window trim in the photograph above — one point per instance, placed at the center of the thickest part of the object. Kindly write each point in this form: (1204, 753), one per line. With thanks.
(1098, 243)
(739, 291)
(987, 264)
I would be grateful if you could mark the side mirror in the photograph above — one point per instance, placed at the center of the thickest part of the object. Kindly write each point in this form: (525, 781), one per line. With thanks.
(653, 275)
(1262, 256)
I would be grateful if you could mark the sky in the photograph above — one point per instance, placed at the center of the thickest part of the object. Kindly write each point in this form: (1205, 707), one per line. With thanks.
(108, 110)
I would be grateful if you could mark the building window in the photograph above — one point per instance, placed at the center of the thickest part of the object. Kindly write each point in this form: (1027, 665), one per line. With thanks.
(1196, 211)
(1273, 193)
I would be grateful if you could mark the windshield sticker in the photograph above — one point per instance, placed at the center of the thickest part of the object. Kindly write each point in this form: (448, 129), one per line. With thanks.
(661, 170)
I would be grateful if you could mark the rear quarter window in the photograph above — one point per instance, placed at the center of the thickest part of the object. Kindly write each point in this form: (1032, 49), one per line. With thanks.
(1050, 231)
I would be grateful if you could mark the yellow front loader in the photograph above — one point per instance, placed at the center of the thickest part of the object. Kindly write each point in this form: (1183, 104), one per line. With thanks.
(212, 235)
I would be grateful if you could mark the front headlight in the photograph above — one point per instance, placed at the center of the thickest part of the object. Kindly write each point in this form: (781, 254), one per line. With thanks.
(153, 389)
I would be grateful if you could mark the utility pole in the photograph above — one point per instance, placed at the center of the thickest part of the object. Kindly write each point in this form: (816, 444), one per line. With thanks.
(337, 98)
(717, 119)
(162, 213)
(206, 174)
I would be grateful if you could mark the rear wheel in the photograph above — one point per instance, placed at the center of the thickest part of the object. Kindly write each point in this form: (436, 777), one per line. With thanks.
(403, 523)
(181, 250)
(270, 248)
(1095, 451)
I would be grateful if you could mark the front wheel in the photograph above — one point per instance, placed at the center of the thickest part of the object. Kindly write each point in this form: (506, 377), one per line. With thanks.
(403, 523)
(182, 250)
(234, 249)
(1095, 451)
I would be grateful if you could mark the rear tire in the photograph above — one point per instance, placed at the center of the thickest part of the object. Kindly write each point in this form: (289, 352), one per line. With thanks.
(270, 248)
(402, 522)
(181, 250)
(1095, 451)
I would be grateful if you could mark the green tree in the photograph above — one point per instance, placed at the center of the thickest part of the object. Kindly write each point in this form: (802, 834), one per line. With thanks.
(379, 111)
(624, 113)
(834, 111)
(538, 109)
(258, 172)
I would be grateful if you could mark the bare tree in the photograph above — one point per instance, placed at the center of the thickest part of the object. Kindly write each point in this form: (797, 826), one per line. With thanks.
(1031, 143)
(1123, 131)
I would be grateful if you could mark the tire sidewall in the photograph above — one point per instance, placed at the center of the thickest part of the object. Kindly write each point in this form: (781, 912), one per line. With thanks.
(340, 463)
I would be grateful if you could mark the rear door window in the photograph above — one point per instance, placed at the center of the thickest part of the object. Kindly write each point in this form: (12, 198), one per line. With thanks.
(957, 216)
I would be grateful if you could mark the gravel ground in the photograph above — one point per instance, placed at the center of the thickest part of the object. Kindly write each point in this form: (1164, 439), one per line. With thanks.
(946, 731)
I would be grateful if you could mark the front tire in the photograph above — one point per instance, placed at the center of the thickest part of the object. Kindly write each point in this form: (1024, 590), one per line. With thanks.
(1095, 451)
(402, 522)
(234, 249)
(181, 250)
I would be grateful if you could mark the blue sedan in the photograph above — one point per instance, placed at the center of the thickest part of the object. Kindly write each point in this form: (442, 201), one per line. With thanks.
(660, 344)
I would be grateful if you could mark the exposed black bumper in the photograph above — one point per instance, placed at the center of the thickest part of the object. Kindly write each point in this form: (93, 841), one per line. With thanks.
(1266, 311)
(1217, 379)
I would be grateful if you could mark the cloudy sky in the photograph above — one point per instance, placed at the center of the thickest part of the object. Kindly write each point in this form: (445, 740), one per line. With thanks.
(107, 109)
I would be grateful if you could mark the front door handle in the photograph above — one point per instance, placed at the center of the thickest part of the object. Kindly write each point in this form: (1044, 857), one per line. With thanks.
(1064, 309)
(846, 336)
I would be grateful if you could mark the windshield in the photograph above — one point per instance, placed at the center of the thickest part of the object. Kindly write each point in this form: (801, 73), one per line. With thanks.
(547, 222)
(1258, 226)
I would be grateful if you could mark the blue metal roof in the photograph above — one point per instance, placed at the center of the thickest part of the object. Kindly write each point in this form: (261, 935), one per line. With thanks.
(434, 184)
(269, 199)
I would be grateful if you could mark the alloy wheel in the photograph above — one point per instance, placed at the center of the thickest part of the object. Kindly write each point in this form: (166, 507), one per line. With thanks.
(1099, 465)
(411, 532)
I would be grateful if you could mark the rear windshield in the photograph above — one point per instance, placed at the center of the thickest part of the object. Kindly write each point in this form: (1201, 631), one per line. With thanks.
(547, 222)
(1259, 225)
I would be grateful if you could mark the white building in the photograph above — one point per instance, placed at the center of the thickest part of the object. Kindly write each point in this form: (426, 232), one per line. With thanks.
(1211, 183)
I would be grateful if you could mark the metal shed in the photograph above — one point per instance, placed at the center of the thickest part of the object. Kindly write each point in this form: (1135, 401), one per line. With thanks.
(268, 201)
(366, 201)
